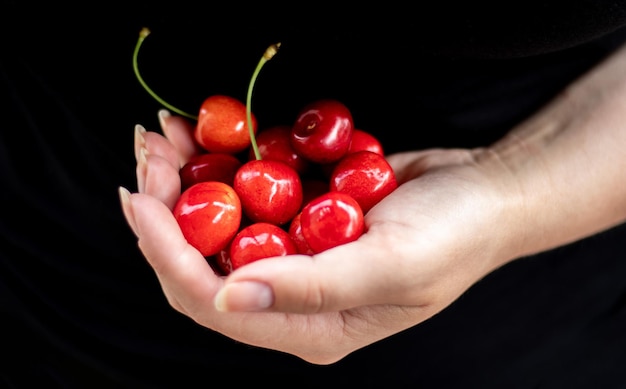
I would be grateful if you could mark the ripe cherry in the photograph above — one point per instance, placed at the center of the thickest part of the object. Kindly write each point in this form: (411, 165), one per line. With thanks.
(295, 231)
(270, 191)
(259, 241)
(364, 175)
(330, 220)
(222, 125)
(209, 215)
(363, 140)
(323, 131)
(220, 262)
(273, 144)
(209, 167)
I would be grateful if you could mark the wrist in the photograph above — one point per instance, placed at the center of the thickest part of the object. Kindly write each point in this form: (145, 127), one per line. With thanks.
(515, 226)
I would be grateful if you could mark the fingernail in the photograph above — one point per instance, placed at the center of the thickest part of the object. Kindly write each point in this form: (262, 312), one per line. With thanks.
(142, 169)
(163, 115)
(127, 208)
(140, 141)
(244, 296)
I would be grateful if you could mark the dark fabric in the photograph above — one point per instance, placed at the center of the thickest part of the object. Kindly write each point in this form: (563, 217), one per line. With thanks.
(80, 308)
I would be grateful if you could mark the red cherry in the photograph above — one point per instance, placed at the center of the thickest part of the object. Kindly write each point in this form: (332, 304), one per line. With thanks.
(259, 241)
(295, 231)
(323, 131)
(209, 215)
(270, 191)
(222, 125)
(209, 167)
(221, 261)
(274, 144)
(363, 140)
(330, 220)
(364, 175)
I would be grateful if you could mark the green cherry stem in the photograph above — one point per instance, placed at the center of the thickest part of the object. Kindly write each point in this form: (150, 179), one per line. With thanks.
(142, 36)
(267, 55)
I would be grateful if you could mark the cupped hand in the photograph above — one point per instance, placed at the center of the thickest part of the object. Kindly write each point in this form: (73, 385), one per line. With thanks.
(451, 221)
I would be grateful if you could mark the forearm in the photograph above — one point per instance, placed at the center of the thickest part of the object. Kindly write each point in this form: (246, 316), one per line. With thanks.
(568, 162)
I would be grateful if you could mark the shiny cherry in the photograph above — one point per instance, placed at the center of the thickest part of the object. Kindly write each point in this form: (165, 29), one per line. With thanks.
(222, 122)
(364, 175)
(270, 191)
(330, 220)
(220, 262)
(363, 140)
(274, 144)
(222, 125)
(259, 241)
(322, 131)
(209, 167)
(295, 231)
(209, 215)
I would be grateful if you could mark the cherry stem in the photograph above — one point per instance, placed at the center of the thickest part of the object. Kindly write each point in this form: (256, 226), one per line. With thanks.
(267, 55)
(142, 36)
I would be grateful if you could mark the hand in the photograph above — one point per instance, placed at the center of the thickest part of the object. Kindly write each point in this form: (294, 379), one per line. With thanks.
(446, 226)
(457, 215)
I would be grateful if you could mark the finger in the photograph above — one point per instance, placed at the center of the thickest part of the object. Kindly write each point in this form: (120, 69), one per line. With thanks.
(129, 214)
(153, 144)
(179, 131)
(156, 144)
(141, 170)
(159, 178)
(364, 272)
(185, 276)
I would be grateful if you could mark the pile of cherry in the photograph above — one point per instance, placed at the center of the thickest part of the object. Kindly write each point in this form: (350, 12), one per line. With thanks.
(300, 188)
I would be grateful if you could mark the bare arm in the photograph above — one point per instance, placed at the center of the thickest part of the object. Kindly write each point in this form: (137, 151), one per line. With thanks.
(569, 160)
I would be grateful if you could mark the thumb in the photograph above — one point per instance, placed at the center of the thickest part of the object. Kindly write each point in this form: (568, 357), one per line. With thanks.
(344, 277)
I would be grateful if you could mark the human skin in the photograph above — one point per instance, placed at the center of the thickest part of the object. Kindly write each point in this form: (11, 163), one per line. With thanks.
(457, 215)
